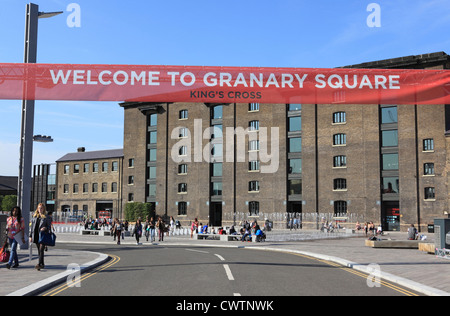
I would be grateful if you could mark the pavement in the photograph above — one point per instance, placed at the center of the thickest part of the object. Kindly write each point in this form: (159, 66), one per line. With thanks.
(411, 268)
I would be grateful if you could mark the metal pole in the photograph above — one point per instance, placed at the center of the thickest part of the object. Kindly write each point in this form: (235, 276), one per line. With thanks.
(27, 125)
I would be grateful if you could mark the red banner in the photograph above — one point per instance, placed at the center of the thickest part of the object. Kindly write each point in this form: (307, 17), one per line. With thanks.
(223, 84)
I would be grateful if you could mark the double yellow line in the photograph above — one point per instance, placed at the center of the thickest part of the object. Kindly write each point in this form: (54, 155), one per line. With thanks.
(83, 277)
(361, 274)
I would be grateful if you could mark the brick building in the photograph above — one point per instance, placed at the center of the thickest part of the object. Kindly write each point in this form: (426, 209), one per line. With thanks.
(382, 163)
(89, 182)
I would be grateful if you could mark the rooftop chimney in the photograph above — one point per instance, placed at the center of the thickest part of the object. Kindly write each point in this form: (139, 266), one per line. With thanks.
(81, 149)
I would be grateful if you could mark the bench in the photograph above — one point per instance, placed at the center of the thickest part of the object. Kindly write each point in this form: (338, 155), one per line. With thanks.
(205, 236)
(89, 232)
(95, 232)
(408, 244)
(230, 237)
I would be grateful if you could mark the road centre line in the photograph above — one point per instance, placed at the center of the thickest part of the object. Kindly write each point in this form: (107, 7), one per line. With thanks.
(201, 251)
(220, 257)
(228, 272)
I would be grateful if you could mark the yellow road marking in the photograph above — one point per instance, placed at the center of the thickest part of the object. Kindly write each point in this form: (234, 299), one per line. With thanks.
(84, 276)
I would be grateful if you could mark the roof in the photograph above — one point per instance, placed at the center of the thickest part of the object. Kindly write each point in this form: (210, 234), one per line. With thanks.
(8, 183)
(92, 155)
(413, 61)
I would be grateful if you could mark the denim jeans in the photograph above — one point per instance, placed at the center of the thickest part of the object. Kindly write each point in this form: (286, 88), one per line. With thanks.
(152, 234)
(13, 256)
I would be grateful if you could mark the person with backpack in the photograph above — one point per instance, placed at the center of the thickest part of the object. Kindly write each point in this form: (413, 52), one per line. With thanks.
(161, 228)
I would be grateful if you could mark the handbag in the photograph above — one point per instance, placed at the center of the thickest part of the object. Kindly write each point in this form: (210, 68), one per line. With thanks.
(48, 239)
(4, 253)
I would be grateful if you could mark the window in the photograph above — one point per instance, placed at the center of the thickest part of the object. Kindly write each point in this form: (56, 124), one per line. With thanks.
(86, 168)
(182, 151)
(104, 187)
(76, 168)
(66, 188)
(389, 115)
(253, 208)
(114, 187)
(66, 169)
(295, 124)
(75, 188)
(130, 197)
(217, 112)
(295, 144)
(216, 131)
(94, 187)
(182, 187)
(339, 117)
(253, 186)
(390, 161)
(216, 188)
(152, 189)
(429, 193)
(253, 165)
(182, 169)
(428, 168)
(183, 132)
(152, 172)
(295, 166)
(252, 107)
(390, 185)
(183, 115)
(294, 186)
(115, 166)
(85, 187)
(104, 167)
(130, 179)
(95, 167)
(253, 145)
(340, 207)
(389, 138)
(294, 107)
(428, 144)
(253, 125)
(217, 150)
(131, 163)
(182, 208)
(340, 184)
(153, 137)
(153, 119)
(152, 154)
(216, 169)
(340, 161)
(339, 139)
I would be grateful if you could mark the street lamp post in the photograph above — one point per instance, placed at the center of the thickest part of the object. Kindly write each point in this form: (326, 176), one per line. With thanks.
(27, 124)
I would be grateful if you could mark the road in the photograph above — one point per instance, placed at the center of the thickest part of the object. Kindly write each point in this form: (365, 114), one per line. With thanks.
(159, 270)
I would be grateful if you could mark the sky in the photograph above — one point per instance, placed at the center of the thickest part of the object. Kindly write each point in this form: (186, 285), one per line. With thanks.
(242, 33)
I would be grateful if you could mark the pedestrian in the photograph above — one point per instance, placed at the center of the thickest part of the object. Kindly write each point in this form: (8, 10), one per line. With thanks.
(412, 232)
(15, 227)
(137, 231)
(172, 226)
(40, 222)
(152, 227)
(194, 226)
(161, 228)
(117, 229)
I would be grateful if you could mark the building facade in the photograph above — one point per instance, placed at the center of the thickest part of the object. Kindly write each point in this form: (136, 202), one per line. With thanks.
(222, 163)
(89, 182)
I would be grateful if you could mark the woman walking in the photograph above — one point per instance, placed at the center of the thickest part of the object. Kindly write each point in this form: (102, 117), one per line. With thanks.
(15, 227)
(161, 228)
(137, 231)
(40, 222)
(117, 229)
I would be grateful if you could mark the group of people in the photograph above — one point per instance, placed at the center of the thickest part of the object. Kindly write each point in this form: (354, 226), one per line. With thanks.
(369, 228)
(41, 223)
(148, 229)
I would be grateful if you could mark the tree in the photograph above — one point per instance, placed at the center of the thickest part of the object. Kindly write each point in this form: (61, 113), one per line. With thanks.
(135, 210)
(8, 202)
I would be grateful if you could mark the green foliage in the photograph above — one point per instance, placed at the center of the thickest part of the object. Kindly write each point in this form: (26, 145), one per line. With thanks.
(136, 210)
(8, 202)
